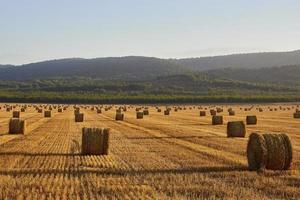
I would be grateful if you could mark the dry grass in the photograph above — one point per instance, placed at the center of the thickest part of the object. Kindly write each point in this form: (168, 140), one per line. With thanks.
(181, 156)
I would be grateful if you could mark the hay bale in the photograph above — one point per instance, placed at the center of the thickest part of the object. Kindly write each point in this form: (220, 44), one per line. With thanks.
(79, 117)
(99, 111)
(119, 117)
(269, 151)
(23, 109)
(217, 120)
(231, 113)
(16, 114)
(139, 115)
(167, 112)
(213, 112)
(219, 110)
(297, 115)
(17, 126)
(76, 111)
(159, 110)
(40, 110)
(59, 110)
(95, 141)
(251, 120)
(202, 113)
(236, 129)
(47, 113)
(146, 112)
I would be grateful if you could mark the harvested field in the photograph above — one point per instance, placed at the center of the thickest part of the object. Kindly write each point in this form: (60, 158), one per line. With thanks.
(180, 156)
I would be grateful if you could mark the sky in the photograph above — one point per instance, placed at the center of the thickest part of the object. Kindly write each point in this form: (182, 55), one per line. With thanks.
(37, 30)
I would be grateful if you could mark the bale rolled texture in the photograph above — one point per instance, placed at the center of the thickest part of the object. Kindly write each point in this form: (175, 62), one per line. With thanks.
(17, 126)
(79, 117)
(119, 117)
(217, 120)
(139, 115)
(269, 151)
(236, 129)
(251, 120)
(47, 113)
(16, 114)
(95, 141)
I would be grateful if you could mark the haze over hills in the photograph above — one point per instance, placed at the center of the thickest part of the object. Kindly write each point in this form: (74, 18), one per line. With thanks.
(276, 68)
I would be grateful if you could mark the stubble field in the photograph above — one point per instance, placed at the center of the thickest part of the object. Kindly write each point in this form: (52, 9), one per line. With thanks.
(181, 156)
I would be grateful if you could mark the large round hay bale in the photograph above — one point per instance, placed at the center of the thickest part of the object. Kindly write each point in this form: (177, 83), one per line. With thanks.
(251, 120)
(99, 111)
(16, 114)
(217, 120)
(47, 113)
(79, 117)
(236, 129)
(23, 109)
(119, 117)
(59, 110)
(269, 151)
(139, 115)
(158, 110)
(202, 113)
(95, 141)
(17, 126)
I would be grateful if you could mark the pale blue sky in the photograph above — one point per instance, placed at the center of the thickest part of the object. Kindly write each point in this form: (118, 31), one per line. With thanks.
(36, 30)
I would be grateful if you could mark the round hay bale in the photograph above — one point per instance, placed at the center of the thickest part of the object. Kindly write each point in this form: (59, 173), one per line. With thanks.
(47, 113)
(119, 117)
(236, 129)
(269, 151)
(79, 117)
(219, 110)
(17, 126)
(95, 141)
(59, 110)
(217, 120)
(146, 112)
(231, 113)
(213, 112)
(159, 110)
(23, 109)
(251, 120)
(139, 115)
(16, 114)
(99, 111)
(202, 113)
(296, 115)
(167, 112)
